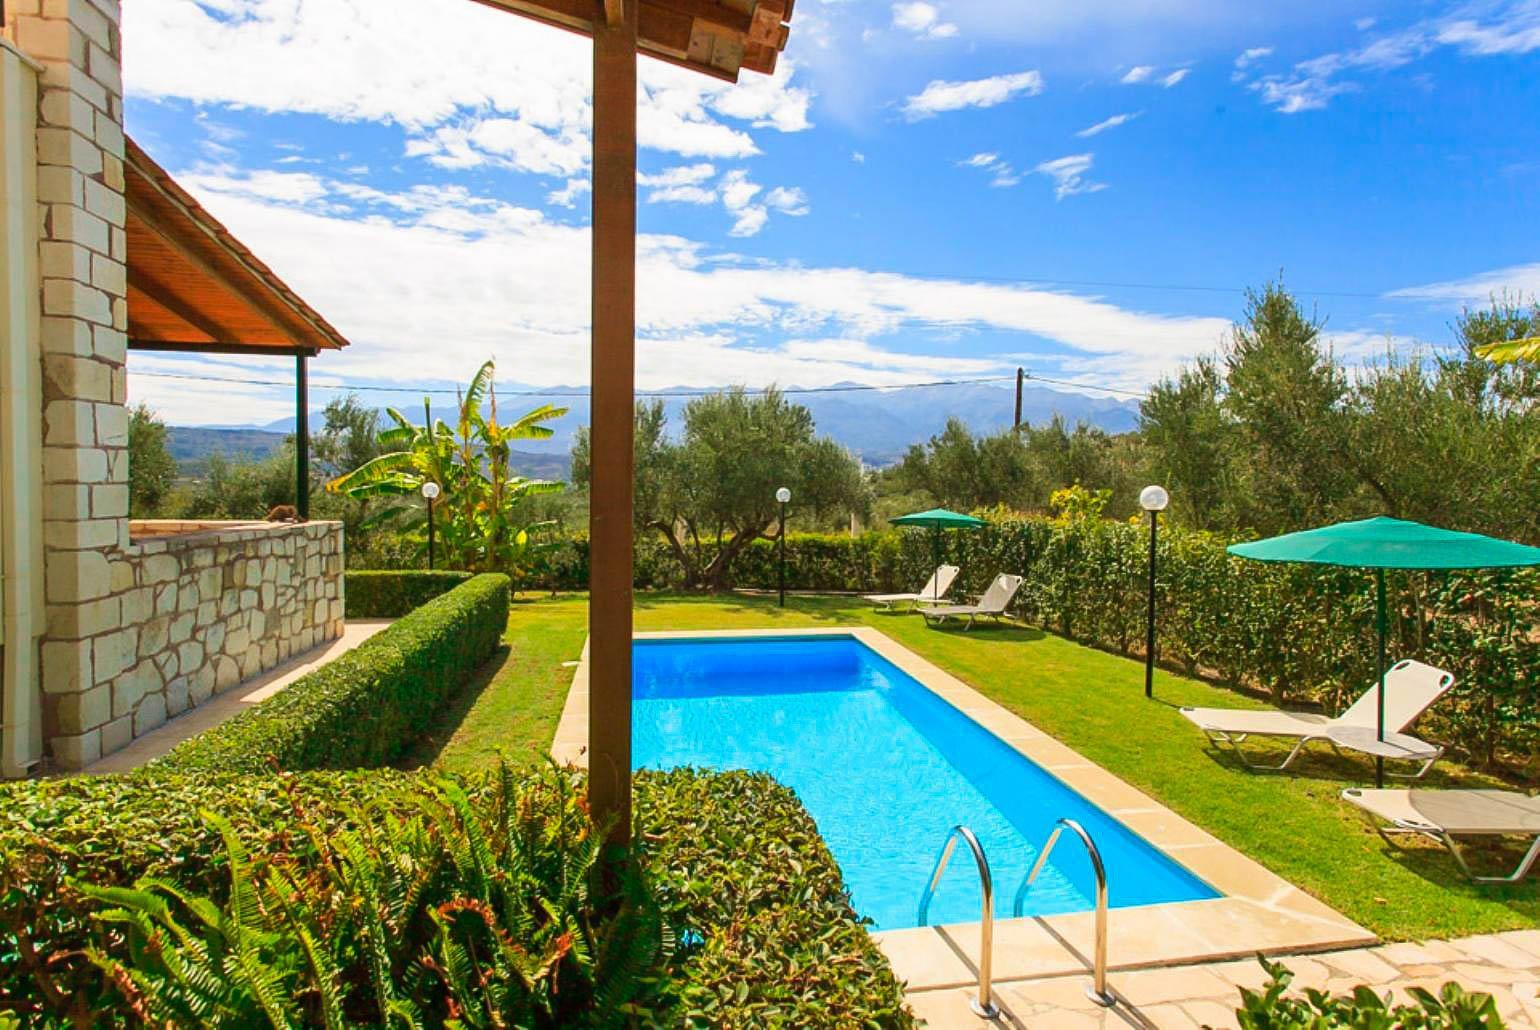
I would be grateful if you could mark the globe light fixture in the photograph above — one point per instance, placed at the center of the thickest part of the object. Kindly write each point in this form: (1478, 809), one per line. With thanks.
(1152, 499)
(430, 492)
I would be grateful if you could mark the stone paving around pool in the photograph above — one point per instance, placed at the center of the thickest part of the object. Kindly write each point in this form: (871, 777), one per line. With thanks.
(1505, 965)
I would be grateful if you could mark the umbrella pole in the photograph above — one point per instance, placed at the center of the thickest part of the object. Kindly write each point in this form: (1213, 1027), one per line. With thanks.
(1380, 620)
(935, 560)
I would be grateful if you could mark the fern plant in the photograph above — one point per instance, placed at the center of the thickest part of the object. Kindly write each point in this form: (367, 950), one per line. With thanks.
(457, 904)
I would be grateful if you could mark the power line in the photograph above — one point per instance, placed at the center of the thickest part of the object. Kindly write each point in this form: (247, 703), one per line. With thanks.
(1086, 386)
(367, 388)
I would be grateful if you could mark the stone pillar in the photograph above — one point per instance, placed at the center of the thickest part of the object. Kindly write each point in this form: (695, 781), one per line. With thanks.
(84, 340)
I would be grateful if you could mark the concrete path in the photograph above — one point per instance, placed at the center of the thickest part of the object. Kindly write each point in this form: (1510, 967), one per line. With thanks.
(237, 699)
(1505, 965)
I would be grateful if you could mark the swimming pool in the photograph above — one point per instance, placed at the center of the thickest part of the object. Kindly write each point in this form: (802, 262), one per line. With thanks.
(886, 768)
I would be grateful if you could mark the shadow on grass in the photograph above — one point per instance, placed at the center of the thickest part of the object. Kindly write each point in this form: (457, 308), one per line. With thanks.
(989, 632)
(440, 732)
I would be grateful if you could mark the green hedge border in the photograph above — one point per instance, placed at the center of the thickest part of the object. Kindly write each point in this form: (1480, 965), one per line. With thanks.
(390, 594)
(769, 935)
(365, 707)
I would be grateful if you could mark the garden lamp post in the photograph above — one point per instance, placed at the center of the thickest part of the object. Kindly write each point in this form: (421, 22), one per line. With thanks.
(429, 492)
(783, 496)
(1152, 499)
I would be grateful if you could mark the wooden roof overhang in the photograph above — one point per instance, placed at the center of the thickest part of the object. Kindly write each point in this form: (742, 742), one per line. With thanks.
(715, 37)
(192, 286)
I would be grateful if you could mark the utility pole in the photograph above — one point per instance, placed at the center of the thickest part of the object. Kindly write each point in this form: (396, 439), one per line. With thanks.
(1021, 375)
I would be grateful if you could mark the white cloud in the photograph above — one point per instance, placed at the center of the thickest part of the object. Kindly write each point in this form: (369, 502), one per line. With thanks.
(1252, 56)
(1175, 77)
(469, 85)
(384, 267)
(1521, 282)
(1001, 173)
(940, 96)
(921, 19)
(1109, 123)
(1484, 28)
(1069, 175)
(1137, 74)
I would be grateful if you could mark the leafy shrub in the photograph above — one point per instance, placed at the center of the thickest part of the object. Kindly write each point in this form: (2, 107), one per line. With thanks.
(363, 708)
(471, 908)
(390, 594)
(754, 893)
(1452, 1008)
(764, 928)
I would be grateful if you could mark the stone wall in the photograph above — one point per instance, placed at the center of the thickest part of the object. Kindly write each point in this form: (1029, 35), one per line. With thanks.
(84, 338)
(203, 610)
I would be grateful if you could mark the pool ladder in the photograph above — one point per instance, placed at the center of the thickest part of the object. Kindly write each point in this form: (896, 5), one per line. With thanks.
(983, 1004)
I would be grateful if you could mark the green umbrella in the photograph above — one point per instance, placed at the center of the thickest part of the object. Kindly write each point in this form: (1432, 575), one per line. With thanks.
(1384, 543)
(938, 519)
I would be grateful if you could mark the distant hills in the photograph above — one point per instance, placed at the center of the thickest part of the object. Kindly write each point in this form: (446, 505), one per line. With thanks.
(878, 425)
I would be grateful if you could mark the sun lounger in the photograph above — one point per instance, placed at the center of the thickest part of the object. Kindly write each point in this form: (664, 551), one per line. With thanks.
(1443, 815)
(1410, 689)
(993, 604)
(934, 592)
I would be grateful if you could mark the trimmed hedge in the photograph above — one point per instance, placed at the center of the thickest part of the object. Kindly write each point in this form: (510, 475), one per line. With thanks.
(738, 860)
(363, 708)
(390, 594)
(766, 932)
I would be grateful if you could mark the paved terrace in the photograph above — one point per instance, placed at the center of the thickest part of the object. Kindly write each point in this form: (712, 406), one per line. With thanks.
(1505, 965)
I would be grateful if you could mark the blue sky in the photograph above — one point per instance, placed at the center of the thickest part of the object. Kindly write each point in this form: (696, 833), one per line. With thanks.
(925, 189)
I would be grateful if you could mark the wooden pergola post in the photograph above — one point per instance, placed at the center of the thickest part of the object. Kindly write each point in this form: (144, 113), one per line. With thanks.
(613, 356)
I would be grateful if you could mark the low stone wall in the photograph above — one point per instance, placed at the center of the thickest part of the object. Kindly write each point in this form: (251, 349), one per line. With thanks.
(204, 609)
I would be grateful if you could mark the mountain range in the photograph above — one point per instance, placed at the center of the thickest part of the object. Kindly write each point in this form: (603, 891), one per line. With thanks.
(877, 425)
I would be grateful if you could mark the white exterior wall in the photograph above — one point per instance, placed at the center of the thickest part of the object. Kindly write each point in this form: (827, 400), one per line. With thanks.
(21, 438)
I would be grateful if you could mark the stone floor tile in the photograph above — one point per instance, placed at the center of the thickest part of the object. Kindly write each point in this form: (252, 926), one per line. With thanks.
(1528, 940)
(922, 958)
(1479, 973)
(1493, 949)
(1169, 1017)
(1413, 952)
(1362, 963)
(1153, 986)
(1218, 1015)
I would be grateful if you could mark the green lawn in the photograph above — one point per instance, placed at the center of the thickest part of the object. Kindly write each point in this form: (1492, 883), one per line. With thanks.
(1090, 700)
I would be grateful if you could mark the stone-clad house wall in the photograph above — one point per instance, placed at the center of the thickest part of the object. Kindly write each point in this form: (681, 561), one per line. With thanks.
(204, 610)
(137, 630)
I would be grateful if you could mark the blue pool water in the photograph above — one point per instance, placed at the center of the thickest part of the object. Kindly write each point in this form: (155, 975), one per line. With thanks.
(886, 768)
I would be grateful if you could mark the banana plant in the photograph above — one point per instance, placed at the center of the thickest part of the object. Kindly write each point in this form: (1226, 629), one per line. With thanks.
(480, 493)
(1527, 349)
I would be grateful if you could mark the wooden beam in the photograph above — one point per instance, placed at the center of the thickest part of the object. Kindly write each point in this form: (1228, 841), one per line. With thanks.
(194, 347)
(610, 531)
(163, 297)
(614, 13)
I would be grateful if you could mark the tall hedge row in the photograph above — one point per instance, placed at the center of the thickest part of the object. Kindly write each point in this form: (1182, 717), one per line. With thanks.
(363, 708)
(375, 594)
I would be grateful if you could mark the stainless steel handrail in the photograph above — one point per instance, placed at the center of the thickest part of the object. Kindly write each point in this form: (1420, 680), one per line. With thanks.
(1097, 992)
(984, 1004)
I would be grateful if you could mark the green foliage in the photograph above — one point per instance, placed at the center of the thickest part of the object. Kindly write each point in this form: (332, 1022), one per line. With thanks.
(243, 490)
(151, 469)
(410, 888)
(469, 904)
(363, 708)
(376, 594)
(479, 515)
(712, 494)
(1527, 349)
(770, 935)
(1272, 1009)
(1018, 468)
